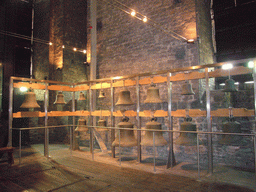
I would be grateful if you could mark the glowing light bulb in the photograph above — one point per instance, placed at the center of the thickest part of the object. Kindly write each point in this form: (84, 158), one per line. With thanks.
(74, 49)
(84, 51)
(191, 40)
(133, 13)
(50, 43)
(23, 89)
(227, 66)
(145, 19)
(250, 64)
(63, 46)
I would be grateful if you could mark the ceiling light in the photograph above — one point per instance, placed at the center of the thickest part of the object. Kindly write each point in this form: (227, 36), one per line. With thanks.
(145, 19)
(133, 13)
(250, 64)
(191, 41)
(227, 66)
(23, 89)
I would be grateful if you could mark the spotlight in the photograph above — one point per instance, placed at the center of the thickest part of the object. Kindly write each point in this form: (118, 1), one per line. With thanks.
(191, 41)
(133, 13)
(227, 66)
(250, 64)
(23, 89)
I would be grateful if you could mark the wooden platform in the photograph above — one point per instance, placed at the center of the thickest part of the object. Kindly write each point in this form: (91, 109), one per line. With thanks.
(72, 173)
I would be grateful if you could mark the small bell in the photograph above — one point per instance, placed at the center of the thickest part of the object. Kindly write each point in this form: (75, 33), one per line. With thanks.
(187, 138)
(187, 89)
(81, 125)
(153, 95)
(102, 123)
(30, 101)
(127, 138)
(81, 96)
(124, 98)
(101, 94)
(147, 140)
(229, 86)
(60, 98)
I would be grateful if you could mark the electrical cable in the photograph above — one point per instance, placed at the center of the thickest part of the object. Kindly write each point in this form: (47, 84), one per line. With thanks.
(154, 24)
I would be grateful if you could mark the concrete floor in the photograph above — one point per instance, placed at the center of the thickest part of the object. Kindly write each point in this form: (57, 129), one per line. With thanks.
(105, 173)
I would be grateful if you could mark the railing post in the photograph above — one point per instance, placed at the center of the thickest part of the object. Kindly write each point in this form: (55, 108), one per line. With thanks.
(10, 112)
(171, 158)
(112, 119)
(138, 120)
(209, 123)
(46, 130)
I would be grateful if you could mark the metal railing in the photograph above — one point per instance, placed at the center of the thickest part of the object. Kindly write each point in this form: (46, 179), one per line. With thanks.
(91, 128)
(134, 76)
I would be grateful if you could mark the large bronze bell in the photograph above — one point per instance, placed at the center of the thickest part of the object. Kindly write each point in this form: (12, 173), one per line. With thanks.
(81, 97)
(187, 89)
(101, 94)
(30, 101)
(124, 98)
(81, 127)
(153, 95)
(127, 137)
(231, 126)
(147, 139)
(102, 123)
(187, 138)
(60, 99)
(229, 86)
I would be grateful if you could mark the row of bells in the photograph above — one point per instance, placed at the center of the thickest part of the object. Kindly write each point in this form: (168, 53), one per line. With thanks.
(127, 137)
(124, 96)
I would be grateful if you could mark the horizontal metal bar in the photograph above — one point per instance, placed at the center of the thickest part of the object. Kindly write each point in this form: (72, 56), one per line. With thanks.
(197, 67)
(132, 129)
(41, 81)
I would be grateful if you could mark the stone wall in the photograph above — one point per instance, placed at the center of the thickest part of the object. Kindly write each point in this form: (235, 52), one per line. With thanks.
(62, 23)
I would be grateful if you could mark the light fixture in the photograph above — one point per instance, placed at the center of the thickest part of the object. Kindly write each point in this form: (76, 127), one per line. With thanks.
(74, 49)
(50, 43)
(227, 66)
(63, 46)
(145, 19)
(250, 64)
(23, 89)
(191, 41)
(84, 51)
(249, 82)
(133, 13)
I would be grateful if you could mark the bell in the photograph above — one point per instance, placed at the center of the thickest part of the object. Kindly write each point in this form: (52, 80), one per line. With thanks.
(60, 98)
(102, 123)
(187, 138)
(231, 126)
(124, 98)
(81, 96)
(229, 86)
(127, 138)
(147, 139)
(153, 95)
(101, 94)
(81, 125)
(187, 89)
(30, 101)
